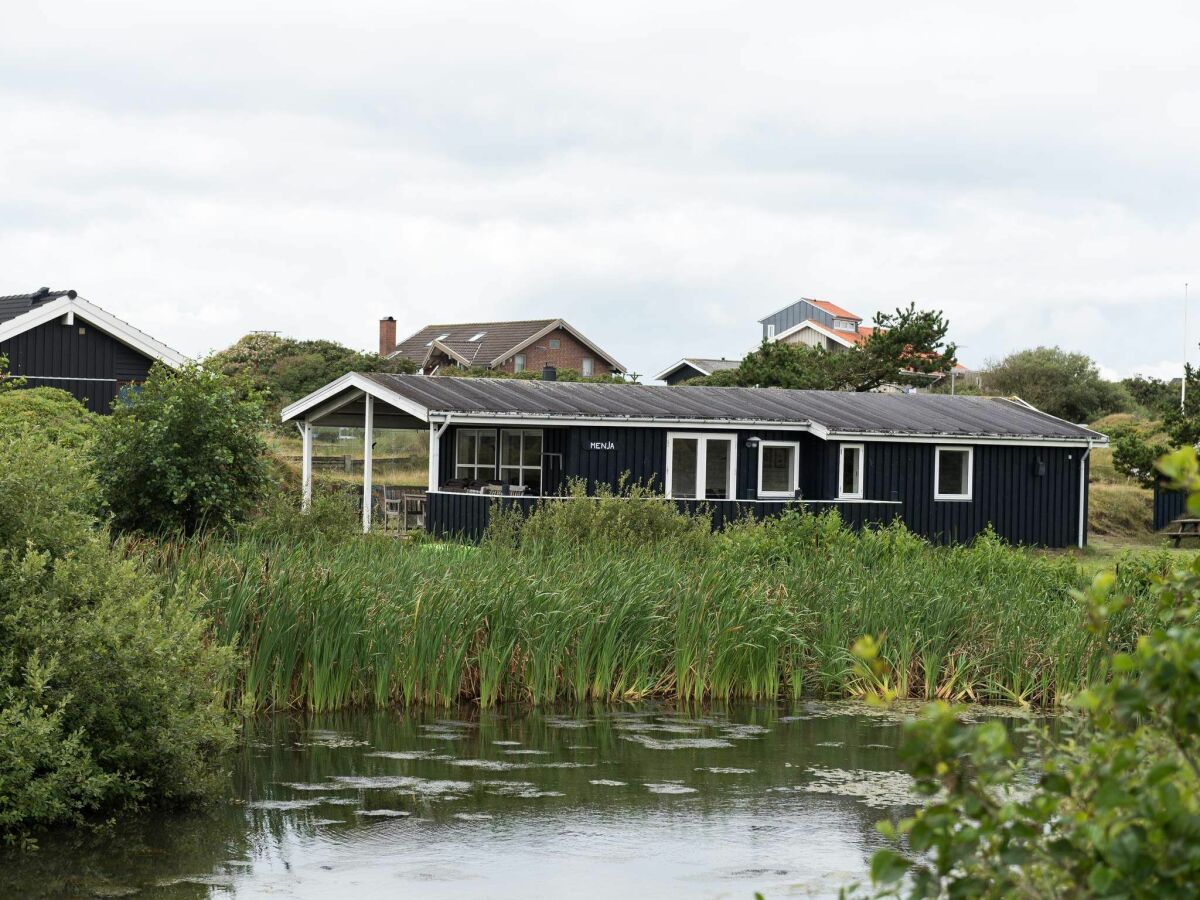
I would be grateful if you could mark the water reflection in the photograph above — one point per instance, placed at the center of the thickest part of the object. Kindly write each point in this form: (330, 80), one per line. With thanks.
(513, 803)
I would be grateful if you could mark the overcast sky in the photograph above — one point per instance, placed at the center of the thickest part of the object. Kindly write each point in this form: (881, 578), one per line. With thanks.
(660, 174)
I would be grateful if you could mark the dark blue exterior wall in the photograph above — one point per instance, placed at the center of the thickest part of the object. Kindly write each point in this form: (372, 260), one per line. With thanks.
(1029, 495)
(92, 366)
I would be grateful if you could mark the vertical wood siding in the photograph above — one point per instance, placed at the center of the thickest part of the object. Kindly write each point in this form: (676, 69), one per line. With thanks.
(1168, 506)
(58, 351)
(466, 516)
(1020, 505)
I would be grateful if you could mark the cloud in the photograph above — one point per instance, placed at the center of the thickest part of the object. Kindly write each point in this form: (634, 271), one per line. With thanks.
(660, 175)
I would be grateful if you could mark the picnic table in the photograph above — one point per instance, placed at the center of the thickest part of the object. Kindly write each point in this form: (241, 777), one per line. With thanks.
(1184, 528)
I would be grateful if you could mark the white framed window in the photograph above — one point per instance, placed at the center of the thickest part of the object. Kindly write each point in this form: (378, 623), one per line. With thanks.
(850, 472)
(475, 454)
(845, 325)
(952, 472)
(778, 469)
(519, 362)
(770, 332)
(521, 458)
(587, 367)
(701, 466)
(555, 343)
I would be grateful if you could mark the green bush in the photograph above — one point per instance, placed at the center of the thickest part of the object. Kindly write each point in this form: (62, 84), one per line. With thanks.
(110, 692)
(56, 414)
(184, 453)
(1109, 806)
(632, 516)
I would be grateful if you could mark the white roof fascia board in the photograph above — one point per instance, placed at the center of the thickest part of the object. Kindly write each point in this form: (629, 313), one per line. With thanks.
(815, 428)
(662, 376)
(360, 382)
(106, 322)
(817, 327)
(449, 351)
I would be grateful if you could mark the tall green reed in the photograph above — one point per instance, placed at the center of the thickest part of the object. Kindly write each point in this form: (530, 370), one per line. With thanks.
(635, 601)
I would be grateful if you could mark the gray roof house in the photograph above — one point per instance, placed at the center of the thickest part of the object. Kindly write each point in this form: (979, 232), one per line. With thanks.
(695, 367)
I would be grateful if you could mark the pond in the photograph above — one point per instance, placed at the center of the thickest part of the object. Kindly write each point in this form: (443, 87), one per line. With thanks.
(595, 802)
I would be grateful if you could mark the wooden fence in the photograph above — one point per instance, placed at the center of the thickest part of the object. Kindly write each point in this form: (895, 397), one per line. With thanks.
(1168, 506)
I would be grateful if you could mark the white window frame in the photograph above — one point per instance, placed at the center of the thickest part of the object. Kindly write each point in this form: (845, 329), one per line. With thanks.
(702, 438)
(771, 332)
(587, 367)
(937, 466)
(858, 493)
(474, 464)
(777, 495)
(519, 361)
(521, 468)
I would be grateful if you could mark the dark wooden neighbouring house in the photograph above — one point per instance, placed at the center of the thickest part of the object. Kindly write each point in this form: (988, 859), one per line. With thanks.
(948, 467)
(58, 339)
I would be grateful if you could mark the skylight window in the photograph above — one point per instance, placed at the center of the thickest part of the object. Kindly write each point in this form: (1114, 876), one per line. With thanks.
(440, 337)
(477, 337)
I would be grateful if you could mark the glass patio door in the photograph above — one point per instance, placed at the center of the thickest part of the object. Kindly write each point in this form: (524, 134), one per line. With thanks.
(701, 466)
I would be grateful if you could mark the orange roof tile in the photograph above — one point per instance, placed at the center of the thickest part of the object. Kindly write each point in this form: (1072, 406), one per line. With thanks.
(835, 310)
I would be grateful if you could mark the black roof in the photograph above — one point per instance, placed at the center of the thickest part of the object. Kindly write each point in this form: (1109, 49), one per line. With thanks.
(839, 412)
(18, 304)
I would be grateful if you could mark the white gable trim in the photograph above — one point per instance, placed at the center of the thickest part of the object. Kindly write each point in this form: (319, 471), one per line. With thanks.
(449, 351)
(358, 384)
(690, 363)
(106, 322)
(820, 329)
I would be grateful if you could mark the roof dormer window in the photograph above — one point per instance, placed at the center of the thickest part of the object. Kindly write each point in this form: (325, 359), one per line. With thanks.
(845, 325)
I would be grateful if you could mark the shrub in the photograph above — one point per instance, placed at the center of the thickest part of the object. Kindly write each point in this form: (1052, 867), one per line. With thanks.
(183, 454)
(56, 414)
(632, 516)
(1109, 806)
(1133, 455)
(109, 691)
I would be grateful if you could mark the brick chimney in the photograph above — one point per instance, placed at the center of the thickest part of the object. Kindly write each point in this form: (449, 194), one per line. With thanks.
(387, 335)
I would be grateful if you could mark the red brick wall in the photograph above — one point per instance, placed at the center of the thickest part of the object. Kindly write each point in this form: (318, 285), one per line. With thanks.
(569, 355)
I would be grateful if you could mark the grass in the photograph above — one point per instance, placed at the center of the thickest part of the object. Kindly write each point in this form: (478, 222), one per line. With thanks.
(569, 607)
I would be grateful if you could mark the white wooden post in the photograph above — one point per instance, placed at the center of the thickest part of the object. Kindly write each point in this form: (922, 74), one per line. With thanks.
(435, 444)
(368, 440)
(306, 433)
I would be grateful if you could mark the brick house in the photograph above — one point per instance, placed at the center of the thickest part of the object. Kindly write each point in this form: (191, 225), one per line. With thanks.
(524, 346)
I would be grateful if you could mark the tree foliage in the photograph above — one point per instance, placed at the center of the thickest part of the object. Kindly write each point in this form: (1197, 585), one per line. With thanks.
(110, 692)
(1067, 385)
(1107, 807)
(286, 369)
(183, 453)
(1156, 396)
(904, 346)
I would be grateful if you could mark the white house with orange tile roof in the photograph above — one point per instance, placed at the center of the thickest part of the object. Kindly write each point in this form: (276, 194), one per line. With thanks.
(815, 323)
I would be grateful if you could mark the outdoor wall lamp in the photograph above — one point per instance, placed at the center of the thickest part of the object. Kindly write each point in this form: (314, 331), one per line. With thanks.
(752, 443)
